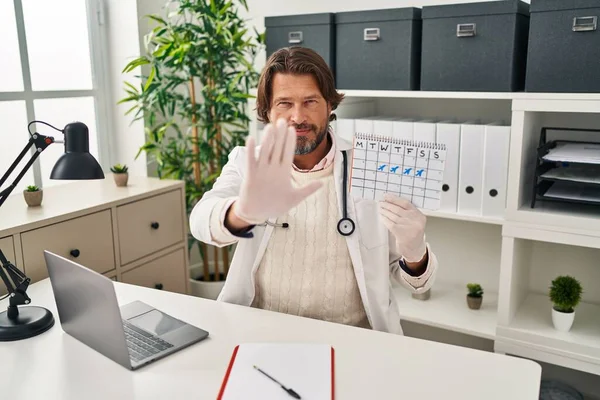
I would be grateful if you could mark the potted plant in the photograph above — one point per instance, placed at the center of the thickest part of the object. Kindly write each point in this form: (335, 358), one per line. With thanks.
(475, 296)
(565, 294)
(197, 71)
(120, 174)
(33, 196)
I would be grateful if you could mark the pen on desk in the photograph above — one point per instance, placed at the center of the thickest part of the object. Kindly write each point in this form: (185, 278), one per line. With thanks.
(290, 391)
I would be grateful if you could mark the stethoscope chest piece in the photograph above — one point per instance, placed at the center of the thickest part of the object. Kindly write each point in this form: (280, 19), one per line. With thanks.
(346, 226)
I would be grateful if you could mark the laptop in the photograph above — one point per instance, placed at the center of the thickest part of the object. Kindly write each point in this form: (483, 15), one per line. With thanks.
(132, 335)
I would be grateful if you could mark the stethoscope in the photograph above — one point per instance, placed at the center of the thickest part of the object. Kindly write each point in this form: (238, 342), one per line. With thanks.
(345, 225)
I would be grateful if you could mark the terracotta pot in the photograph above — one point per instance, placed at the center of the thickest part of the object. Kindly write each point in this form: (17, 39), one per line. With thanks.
(33, 199)
(474, 302)
(121, 179)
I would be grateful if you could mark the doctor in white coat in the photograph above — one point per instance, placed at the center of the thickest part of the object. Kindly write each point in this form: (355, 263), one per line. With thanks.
(300, 250)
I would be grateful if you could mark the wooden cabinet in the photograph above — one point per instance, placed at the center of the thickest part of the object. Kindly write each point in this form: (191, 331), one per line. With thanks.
(8, 249)
(135, 234)
(149, 225)
(86, 240)
(163, 273)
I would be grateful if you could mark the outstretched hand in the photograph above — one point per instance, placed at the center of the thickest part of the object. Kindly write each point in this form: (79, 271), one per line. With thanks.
(267, 190)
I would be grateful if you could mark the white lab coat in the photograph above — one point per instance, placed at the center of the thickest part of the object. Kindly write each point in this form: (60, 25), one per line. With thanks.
(371, 247)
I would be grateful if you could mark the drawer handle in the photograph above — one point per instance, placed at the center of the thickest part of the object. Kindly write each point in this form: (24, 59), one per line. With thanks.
(466, 30)
(154, 225)
(158, 286)
(75, 253)
(585, 24)
(370, 34)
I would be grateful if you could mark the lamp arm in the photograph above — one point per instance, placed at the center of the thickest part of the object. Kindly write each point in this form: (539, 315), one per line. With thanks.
(40, 142)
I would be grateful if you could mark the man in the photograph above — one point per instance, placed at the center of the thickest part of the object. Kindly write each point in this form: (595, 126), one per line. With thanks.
(282, 202)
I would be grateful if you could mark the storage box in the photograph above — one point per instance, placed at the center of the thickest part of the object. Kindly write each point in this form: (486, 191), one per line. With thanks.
(378, 49)
(315, 31)
(475, 47)
(564, 46)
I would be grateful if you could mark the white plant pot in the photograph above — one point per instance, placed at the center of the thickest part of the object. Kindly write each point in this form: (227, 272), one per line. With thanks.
(207, 290)
(562, 321)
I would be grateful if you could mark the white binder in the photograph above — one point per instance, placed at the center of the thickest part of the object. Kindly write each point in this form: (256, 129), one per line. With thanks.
(344, 128)
(495, 175)
(424, 131)
(449, 134)
(470, 171)
(403, 129)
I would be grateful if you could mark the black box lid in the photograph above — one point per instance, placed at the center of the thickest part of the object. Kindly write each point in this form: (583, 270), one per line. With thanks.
(475, 9)
(560, 5)
(299, 19)
(392, 14)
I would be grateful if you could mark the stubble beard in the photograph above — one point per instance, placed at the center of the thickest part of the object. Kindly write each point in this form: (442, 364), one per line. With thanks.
(304, 145)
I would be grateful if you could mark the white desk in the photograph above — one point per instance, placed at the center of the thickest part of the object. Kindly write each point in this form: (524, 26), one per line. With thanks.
(369, 364)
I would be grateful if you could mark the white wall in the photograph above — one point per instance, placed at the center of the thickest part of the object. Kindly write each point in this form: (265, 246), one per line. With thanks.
(123, 46)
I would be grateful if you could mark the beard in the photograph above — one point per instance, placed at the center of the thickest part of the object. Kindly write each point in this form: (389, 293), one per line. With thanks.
(305, 145)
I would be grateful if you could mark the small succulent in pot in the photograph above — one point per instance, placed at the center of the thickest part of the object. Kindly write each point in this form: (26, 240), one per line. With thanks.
(33, 196)
(475, 296)
(120, 174)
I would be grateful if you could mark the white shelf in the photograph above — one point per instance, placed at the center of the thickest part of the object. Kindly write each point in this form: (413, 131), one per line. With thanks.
(422, 94)
(463, 217)
(564, 217)
(447, 309)
(532, 327)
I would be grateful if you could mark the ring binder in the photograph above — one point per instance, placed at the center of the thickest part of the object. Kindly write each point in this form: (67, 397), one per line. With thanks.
(404, 142)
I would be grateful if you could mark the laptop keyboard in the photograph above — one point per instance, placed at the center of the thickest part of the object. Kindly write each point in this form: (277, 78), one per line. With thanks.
(142, 344)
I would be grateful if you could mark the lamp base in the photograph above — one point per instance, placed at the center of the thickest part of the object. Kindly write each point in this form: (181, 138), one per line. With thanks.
(30, 322)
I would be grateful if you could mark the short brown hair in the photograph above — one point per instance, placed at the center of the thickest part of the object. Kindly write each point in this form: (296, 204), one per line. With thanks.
(295, 60)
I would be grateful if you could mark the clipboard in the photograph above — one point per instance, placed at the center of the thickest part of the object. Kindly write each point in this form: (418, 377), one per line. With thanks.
(307, 368)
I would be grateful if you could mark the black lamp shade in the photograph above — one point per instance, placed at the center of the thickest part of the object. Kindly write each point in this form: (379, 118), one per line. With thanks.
(77, 162)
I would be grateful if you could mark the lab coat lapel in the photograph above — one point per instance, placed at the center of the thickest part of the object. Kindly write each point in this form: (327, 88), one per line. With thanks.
(352, 240)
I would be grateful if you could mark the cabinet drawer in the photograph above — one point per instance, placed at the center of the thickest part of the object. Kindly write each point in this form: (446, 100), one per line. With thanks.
(87, 240)
(8, 249)
(149, 225)
(167, 272)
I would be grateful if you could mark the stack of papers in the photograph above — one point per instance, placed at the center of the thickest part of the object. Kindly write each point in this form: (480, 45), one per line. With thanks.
(574, 191)
(576, 173)
(575, 152)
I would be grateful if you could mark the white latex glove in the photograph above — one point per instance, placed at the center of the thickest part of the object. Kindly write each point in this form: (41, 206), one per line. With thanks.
(407, 223)
(267, 190)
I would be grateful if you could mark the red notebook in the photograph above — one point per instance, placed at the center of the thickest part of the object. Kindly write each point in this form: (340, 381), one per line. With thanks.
(306, 368)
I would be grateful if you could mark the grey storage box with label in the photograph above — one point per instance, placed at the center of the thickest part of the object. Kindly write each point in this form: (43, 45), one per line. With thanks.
(315, 31)
(475, 47)
(564, 46)
(378, 49)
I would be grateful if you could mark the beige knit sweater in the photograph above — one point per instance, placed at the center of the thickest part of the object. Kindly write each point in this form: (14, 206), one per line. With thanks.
(306, 269)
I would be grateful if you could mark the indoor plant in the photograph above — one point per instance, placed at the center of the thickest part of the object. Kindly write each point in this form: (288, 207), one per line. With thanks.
(120, 174)
(475, 296)
(565, 294)
(197, 72)
(33, 195)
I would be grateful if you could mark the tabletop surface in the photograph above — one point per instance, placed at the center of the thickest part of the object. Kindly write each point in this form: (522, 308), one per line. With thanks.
(368, 364)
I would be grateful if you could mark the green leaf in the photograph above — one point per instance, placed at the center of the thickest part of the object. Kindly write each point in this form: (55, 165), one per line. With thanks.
(150, 78)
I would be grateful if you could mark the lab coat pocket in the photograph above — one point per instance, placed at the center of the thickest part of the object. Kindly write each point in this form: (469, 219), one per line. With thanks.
(373, 232)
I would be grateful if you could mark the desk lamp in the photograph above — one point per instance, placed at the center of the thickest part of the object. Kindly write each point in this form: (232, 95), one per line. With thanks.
(76, 163)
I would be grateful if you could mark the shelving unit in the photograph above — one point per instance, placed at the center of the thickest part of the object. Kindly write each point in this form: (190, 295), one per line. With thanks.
(510, 256)
(446, 309)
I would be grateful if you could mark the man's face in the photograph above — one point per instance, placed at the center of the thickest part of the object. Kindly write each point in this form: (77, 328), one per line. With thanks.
(298, 100)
